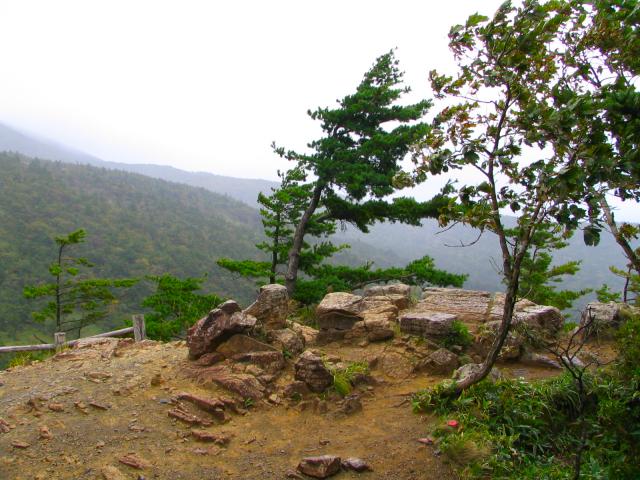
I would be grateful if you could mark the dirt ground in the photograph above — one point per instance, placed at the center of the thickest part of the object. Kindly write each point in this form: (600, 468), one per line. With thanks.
(76, 415)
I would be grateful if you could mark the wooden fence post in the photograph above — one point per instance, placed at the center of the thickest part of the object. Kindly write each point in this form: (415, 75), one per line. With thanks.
(59, 339)
(139, 332)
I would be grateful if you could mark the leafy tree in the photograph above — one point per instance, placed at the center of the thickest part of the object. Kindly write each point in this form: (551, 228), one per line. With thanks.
(355, 162)
(76, 299)
(592, 119)
(505, 67)
(176, 306)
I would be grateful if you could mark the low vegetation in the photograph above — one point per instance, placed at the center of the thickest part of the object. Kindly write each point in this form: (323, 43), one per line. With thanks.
(516, 429)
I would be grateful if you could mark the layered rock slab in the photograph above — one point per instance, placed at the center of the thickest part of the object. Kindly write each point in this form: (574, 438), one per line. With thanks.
(218, 326)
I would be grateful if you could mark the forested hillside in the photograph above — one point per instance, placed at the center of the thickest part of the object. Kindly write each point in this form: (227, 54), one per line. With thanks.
(136, 226)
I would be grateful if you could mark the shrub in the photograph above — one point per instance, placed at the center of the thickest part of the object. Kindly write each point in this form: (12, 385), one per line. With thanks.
(343, 378)
(459, 335)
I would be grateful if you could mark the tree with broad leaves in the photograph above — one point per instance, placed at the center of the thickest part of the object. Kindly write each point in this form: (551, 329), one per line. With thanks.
(354, 164)
(76, 300)
(506, 67)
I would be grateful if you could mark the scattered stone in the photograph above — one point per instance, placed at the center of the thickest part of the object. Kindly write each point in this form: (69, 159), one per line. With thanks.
(356, 464)
(157, 380)
(320, 467)
(311, 370)
(81, 406)
(45, 433)
(426, 441)
(133, 461)
(426, 323)
(217, 438)
(440, 362)
(20, 444)
(56, 407)
(99, 406)
(215, 407)
(271, 307)
(470, 368)
(351, 404)
(4, 426)
(99, 376)
(286, 340)
(187, 417)
(214, 329)
(112, 473)
(239, 344)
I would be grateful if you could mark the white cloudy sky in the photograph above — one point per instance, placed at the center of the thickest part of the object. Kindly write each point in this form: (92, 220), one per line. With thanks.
(204, 85)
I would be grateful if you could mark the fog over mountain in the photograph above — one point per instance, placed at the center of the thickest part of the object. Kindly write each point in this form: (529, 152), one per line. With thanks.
(386, 244)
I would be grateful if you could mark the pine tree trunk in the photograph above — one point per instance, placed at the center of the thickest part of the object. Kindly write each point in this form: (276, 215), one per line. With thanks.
(298, 238)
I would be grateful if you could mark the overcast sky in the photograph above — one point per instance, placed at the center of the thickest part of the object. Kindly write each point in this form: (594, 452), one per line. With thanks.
(205, 85)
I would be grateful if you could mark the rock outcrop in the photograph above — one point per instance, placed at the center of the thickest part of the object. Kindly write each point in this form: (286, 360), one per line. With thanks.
(271, 307)
(543, 318)
(286, 340)
(339, 311)
(426, 324)
(311, 370)
(600, 317)
(218, 326)
(440, 362)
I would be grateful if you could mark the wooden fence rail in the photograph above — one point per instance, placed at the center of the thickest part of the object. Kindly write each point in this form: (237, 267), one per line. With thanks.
(138, 330)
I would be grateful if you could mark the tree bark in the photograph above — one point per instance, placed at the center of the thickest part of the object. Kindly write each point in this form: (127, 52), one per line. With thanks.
(298, 238)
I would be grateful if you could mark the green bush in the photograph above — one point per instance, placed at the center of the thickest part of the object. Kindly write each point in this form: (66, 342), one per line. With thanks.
(459, 335)
(518, 430)
(343, 378)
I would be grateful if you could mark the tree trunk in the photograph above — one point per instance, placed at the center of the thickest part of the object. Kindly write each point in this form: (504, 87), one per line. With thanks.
(298, 238)
(507, 315)
(276, 246)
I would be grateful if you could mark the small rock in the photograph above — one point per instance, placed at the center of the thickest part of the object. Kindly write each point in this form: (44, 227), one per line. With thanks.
(156, 380)
(134, 461)
(112, 473)
(320, 467)
(217, 438)
(56, 407)
(20, 444)
(356, 464)
(45, 433)
(351, 404)
(99, 406)
(426, 441)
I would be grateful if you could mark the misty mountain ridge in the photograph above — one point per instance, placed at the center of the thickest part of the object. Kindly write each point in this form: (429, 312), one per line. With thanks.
(385, 245)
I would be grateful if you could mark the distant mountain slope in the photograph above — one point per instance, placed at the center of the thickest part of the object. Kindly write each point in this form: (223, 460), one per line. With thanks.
(136, 226)
(245, 190)
(386, 244)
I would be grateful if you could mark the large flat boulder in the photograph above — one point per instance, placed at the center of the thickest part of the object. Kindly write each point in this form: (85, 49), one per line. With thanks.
(540, 317)
(426, 324)
(392, 289)
(440, 362)
(339, 311)
(218, 326)
(286, 340)
(271, 307)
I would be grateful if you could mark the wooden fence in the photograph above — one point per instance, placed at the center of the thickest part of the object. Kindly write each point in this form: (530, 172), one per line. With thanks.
(59, 338)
